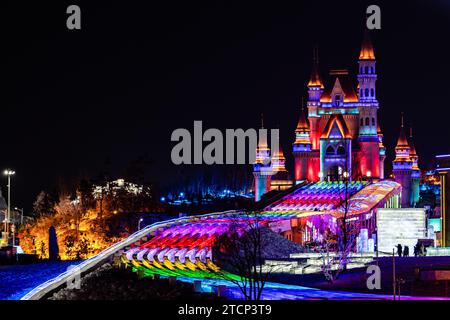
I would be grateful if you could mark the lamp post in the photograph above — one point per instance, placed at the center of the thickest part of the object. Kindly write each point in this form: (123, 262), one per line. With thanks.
(345, 174)
(21, 214)
(139, 223)
(8, 173)
(369, 176)
(320, 175)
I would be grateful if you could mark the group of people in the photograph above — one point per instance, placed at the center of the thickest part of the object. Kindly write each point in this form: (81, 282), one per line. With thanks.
(402, 251)
(419, 250)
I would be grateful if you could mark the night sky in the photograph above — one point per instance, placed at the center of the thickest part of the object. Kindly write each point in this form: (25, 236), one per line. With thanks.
(136, 71)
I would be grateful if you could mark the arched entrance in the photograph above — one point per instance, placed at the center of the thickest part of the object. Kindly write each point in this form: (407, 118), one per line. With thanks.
(334, 173)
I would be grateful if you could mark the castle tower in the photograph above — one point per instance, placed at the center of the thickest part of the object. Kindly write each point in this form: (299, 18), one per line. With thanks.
(262, 170)
(415, 175)
(402, 167)
(304, 168)
(279, 164)
(280, 178)
(315, 90)
(368, 137)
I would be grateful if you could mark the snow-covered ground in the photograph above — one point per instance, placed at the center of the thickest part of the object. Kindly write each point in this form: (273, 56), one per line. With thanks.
(17, 280)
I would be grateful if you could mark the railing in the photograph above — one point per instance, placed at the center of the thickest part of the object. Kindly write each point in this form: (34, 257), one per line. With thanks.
(53, 284)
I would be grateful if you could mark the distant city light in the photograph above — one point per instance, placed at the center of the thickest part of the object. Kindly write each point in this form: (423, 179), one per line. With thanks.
(162, 199)
(181, 194)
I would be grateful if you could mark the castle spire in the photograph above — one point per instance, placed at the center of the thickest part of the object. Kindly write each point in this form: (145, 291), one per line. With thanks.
(402, 149)
(262, 149)
(367, 52)
(413, 152)
(278, 160)
(315, 80)
(402, 141)
(303, 124)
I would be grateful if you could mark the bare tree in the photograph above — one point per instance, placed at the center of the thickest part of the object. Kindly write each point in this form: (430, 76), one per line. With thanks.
(239, 254)
(343, 242)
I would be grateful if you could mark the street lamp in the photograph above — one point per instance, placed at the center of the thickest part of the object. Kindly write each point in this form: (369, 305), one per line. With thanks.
(21, 214)
(139, 223)
(8, 173)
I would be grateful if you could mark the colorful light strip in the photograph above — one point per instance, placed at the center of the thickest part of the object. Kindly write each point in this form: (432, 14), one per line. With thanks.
(321, 196)
(185, 249)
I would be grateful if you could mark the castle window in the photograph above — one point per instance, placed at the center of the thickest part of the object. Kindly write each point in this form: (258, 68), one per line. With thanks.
(366, 69)
(366, 92)
(372, 70)
(330, 150)
(372, 92)
(361, 93)
(340, 150)
(337, 98)
(362, 122)
(367, 121)
(373, 121)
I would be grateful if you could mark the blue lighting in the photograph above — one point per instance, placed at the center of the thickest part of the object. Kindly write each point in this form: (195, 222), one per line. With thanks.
(162, 199)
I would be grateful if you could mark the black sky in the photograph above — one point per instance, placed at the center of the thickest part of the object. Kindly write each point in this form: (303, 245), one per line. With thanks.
(138, 70)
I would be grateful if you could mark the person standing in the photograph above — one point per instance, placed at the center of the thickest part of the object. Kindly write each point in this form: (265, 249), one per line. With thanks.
(399, 250)
(406, 251)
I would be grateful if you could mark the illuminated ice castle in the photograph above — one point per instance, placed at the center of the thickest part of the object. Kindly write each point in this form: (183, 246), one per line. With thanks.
(339, 158)
(340, 137)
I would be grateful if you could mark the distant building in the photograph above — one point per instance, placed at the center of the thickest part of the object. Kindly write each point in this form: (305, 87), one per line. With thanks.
(115, 186)
(443, 167)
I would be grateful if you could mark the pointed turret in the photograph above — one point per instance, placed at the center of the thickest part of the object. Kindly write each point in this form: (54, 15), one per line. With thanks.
(262, 170)
(367, 52)
(413, 152)
(302, 147)
(280, 178)
(402, 168)
(278, 161)
(315, 91)
(402, 141)
(315, 79)
(262, 150)
(302, 131)
(402, 148)
(367, 76)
